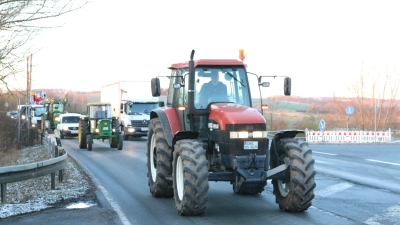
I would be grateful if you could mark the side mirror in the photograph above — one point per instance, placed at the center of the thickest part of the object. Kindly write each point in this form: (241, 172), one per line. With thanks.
(155, 87)
(287, 86)
(265, 84)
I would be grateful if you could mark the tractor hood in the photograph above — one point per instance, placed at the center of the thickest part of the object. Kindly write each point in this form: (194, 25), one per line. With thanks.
(229, 113)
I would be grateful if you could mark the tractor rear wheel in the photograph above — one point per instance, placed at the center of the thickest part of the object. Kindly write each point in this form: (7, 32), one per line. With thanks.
(190, 177)
(158, 161)
(82, 133)
(89, 142)
(120, 142)
(297, 193)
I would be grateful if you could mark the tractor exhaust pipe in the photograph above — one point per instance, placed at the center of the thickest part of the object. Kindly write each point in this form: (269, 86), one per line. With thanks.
(192, 110)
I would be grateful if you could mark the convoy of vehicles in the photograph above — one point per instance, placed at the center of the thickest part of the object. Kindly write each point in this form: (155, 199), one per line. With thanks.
(222, 139)
(99, 123)
(131, 102)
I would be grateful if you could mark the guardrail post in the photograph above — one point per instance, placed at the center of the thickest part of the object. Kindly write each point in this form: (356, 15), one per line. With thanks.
(3, 193)
(57, 153)
(53, 175)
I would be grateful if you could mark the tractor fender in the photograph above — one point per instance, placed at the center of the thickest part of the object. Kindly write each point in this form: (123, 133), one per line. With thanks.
(283, 134)
(169, 122)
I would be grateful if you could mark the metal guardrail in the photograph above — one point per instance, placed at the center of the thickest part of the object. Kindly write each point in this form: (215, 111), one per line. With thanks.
(11, 174)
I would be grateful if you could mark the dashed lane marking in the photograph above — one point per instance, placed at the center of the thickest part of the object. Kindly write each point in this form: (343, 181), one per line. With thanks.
(390, 163)
(333, 189)
(390, 215)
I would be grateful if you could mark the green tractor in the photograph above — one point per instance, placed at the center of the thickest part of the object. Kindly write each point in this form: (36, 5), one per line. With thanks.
(99, 124)
(54, 108)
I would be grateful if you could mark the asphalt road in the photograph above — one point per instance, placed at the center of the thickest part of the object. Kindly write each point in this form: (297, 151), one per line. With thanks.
(356, 184)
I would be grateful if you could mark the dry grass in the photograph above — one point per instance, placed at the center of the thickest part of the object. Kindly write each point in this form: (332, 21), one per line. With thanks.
(9, 157)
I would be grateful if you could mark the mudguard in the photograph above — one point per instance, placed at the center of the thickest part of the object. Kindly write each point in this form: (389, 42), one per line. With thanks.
(169, 122)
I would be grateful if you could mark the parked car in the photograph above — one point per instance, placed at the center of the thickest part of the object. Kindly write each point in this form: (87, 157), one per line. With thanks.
(12, 114)
(68, 124)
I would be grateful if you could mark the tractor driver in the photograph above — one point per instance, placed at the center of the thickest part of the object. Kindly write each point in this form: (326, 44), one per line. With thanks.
(100, 113)
(213, 87)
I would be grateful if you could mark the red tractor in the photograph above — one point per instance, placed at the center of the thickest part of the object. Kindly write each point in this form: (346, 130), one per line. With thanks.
(214, 134)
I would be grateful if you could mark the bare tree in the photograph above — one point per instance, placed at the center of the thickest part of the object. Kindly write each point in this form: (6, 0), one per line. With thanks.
(20, 22)
(371, 89)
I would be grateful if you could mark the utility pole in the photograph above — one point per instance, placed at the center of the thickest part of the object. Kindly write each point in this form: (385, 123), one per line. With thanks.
(28, 90)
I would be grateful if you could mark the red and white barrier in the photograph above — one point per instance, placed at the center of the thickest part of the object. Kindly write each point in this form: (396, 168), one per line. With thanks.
(340, 136)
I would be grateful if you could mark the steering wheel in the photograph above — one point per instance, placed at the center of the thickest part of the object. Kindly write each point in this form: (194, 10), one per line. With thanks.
(216, 96)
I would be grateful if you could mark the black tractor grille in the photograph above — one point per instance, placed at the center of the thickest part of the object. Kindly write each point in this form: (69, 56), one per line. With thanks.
(140, 123)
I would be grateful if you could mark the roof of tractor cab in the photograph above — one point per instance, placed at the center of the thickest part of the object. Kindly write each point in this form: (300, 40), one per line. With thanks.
(209, 62)
(98, 103)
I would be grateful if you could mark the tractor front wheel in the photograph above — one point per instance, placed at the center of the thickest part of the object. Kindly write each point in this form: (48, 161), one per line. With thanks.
(89, 142)
(296, 194)
(158, 161)
(190, 177)
(82, 133)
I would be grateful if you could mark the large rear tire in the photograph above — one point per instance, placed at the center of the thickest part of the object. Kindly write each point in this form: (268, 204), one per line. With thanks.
(82, 133)
(89, 142)
(297, 194)
(120, 142)
(190, 177)
(158, 161)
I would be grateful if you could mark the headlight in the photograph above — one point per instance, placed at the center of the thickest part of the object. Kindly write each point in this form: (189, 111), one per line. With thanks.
(214, 126)
(33, 125)
(65, 128)
(246, 134)
(113, 130)
(23, 117)
(97, 130)
(130, 130)
(57, 119)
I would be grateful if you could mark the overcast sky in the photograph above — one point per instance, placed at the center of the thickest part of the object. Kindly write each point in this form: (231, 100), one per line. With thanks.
(322, 45)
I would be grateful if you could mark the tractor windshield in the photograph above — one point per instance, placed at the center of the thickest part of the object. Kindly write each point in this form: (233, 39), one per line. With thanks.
(221, 84)
(100, 111)
(58, 108)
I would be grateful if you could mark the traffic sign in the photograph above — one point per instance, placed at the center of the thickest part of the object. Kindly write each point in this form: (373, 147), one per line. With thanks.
(322, 125)
(349, 110)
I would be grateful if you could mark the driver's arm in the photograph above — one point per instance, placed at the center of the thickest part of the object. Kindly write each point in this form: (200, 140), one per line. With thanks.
(202, 94)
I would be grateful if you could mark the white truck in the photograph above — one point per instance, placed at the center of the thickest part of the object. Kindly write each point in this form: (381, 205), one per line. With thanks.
(131, 102)
(33, 112)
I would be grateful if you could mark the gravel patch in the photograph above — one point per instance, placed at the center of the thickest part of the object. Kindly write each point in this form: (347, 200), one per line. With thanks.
(36, 194)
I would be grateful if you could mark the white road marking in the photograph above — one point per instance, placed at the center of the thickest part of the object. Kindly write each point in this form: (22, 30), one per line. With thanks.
(114, 204)
(324, 153)
(334, 189)
(390, 216)
(390, 163)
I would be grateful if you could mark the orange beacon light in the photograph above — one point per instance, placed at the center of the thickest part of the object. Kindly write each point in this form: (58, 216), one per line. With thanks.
(241, 54)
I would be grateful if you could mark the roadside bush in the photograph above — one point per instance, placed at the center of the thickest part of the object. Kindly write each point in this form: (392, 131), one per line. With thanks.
(9, 134)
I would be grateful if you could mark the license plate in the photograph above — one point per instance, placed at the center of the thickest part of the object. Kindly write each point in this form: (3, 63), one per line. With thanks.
(250, 145)
(105, 128)
(144, 128)
(74, 131)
